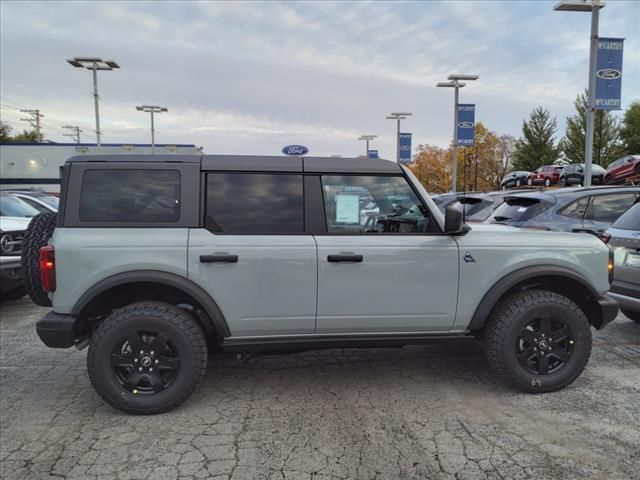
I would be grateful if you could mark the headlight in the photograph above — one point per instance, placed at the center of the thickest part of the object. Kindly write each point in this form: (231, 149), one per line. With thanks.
(6, 243)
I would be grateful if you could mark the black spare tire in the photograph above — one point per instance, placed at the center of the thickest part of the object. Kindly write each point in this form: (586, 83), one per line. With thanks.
(36, 236)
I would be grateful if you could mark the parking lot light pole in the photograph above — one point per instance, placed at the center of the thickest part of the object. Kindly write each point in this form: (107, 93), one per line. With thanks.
(398, 116)
(94, 64)
(152, 109)
(455, 83)
(367, 138)
(594, 7)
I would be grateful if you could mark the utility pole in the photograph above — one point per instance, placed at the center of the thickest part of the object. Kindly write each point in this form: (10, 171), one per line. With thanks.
(152, 109)
(398, 116)
(76, 132)
(34, 121)
(94, 64)
(455, 82)
(594, 7)
(367, 139)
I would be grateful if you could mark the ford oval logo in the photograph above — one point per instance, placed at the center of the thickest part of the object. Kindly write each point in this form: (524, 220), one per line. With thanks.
(609, 73)
(465, 124)
(295, 150)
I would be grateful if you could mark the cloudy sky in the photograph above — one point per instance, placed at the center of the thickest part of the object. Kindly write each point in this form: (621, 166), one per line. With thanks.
(251, 77)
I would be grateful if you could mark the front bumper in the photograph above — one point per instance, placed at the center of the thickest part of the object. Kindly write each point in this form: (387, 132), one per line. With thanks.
(608, 310)
(626, 294)
(10, 273)
(57, 330)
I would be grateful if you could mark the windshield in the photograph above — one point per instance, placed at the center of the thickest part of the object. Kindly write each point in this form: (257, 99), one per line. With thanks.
(630, 220)
(519, 209)
(13, 207)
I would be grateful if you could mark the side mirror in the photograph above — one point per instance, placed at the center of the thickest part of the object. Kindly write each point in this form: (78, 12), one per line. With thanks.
(452, 220)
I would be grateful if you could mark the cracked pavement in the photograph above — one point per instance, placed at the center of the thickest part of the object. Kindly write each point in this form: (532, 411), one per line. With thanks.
(432, 411)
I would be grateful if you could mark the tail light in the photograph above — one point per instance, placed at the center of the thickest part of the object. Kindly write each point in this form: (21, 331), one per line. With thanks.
(48, 268)
(610, 266)
(605, 237)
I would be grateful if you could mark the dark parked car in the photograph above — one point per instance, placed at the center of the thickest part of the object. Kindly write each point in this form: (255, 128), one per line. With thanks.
(546, 175)
(621, 169)
(591, 209)
(573, 174)
(515, 179)
(624, 240)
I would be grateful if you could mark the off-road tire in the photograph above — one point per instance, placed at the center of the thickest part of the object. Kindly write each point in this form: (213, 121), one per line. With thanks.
(507, 320)
(178, 326)
(36, 236)
(631, 315)
(13, 294)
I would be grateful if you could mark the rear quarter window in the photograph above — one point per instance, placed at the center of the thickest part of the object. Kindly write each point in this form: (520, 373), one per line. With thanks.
(129, 195)
(519, 209)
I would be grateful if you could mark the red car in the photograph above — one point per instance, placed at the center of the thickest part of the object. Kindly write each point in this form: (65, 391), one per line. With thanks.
(621, 169)
(546, 175)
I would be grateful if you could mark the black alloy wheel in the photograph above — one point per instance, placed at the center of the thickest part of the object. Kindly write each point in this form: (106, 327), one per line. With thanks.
(544, 345)
(145, 363)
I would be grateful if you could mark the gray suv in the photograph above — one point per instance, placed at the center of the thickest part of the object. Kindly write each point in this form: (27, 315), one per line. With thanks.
(156, 261)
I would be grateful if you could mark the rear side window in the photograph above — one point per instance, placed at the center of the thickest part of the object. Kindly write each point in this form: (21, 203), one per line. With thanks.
(122, 196)
(576, 208)
(254, 203)
(519, 209)
(607, 208)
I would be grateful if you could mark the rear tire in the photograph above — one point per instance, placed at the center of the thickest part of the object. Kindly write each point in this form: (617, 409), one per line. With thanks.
(147, 358)
(36, 236)
(535, 331)
(518, 183)
(547, 182)
(631, 315)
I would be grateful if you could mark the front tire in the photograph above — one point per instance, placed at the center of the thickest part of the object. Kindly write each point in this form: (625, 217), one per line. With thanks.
(547, 182)
(631, 315)
(147, 358)
(538, 341)
(518, 183)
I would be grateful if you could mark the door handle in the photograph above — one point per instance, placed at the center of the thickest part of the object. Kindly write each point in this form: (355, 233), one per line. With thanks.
(220, 258)
(343, 257)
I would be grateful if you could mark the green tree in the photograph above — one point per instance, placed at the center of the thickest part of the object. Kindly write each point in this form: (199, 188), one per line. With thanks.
(538, 145)
(630, 131)
(606, 135)
(5, 132)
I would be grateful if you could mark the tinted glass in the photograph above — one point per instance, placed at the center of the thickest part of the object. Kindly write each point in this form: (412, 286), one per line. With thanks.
(391, 206)
(50, 200)
(518, 209)
(34, 204)
(630, 220)
(607, 208)
(130, 196)
(576, 208)
(254, 203)
(14, 207)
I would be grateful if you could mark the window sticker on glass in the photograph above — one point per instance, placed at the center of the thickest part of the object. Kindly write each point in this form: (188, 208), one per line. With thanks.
(522, 209)
(348, 209)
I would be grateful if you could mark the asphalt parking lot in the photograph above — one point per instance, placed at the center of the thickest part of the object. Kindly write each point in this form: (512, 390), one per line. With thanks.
(419, 412)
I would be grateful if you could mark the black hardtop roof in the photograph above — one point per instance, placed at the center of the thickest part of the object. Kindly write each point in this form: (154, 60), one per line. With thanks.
(258, 163)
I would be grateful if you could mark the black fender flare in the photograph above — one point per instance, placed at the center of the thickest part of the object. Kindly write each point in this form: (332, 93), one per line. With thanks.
(170, 279)
(516, 277)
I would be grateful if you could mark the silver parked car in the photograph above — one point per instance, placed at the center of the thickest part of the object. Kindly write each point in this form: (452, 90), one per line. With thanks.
(154, 261)
(623, 237)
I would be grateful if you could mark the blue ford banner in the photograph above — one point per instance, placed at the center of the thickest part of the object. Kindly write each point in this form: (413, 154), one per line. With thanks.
(372, 154)
(609, 74)
(405, 147)
(466, 123)
(295, 150)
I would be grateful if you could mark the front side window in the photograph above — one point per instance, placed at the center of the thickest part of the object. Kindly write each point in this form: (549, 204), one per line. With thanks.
(373, 204)
(254, 203)
(607, 208)
(130, 196)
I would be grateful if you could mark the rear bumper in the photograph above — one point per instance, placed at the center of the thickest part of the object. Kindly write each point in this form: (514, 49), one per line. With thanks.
(57, 330)
(10, 273)
(608, 310)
